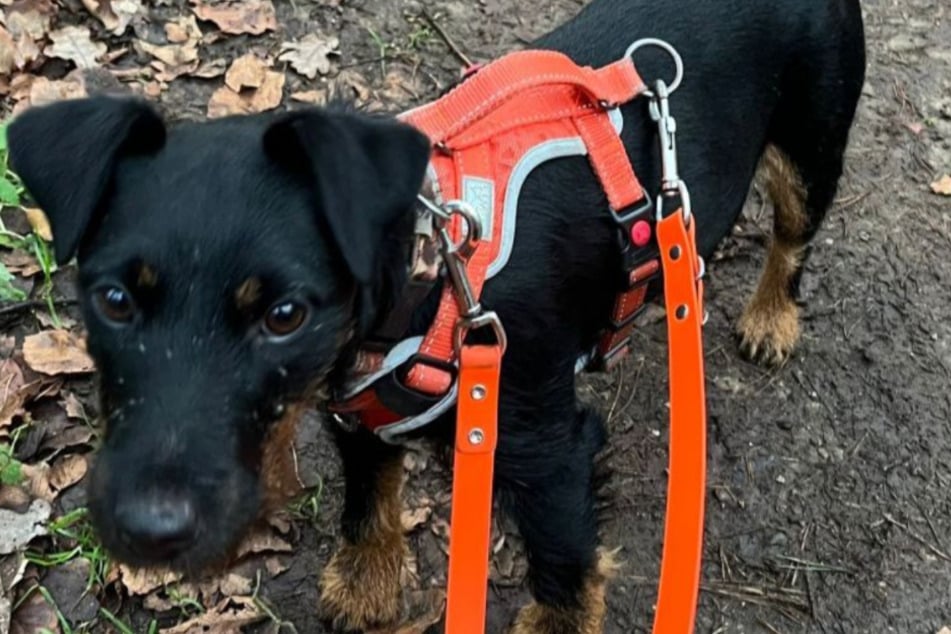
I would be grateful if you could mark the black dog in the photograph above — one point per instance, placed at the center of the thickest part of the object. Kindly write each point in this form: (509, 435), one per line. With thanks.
(229, 269)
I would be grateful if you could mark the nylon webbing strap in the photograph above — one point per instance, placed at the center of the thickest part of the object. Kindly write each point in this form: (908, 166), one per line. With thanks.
(615, 83)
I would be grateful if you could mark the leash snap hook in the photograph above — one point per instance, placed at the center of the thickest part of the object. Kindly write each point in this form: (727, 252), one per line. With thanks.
(672, 186)
(486, 319)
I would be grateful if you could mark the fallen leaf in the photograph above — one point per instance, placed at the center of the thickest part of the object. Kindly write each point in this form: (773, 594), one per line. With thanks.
(315, 97)
(942, 186)
(311, 55)
(238, 16)
(413, 519)
(38, 91)
(183, 30)
(171, 54)
(20, 262)
(18, 529)
(263, 541)
(350, 85)
(56, 352)
(67, 471)
(248, 71)
(257, 89)
(74, 43)
(73, 406)
(39, 223)
(115, 15)
(228, 617)
(28, 21)
(275, 566)
(66, 583)
(14, 498)
(8, 52)
(37, 480)
(142, 581)
(13, 393)
(228, 584)
(211, 69)
(34, 615)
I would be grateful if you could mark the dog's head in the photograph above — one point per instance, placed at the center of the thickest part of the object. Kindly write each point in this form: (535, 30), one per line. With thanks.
(222, 268)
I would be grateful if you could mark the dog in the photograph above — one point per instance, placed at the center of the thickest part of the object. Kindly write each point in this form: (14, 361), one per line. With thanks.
(229, 269)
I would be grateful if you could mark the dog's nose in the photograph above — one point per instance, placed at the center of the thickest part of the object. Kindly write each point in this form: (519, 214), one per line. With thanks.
(157, 526)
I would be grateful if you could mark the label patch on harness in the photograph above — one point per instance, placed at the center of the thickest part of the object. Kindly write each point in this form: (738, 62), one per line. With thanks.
(480, 194)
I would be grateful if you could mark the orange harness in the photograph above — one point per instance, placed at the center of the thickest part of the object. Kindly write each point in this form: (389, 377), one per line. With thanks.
(488, 134)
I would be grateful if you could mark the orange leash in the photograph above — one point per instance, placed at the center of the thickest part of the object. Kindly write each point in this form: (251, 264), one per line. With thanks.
(471, 521)
(683, 525)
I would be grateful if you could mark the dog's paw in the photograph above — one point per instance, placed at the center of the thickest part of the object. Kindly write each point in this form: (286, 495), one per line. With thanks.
(768, 333)
(360, 587)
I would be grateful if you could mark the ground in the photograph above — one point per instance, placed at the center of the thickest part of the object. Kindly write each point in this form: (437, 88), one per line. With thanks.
(827, 509)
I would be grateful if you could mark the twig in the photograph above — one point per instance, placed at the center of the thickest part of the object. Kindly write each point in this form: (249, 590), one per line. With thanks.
(918, 538)
(19, 307)
(445, 38)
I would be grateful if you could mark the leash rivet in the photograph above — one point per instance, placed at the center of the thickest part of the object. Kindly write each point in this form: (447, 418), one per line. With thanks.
(478, 392)
(476, 436)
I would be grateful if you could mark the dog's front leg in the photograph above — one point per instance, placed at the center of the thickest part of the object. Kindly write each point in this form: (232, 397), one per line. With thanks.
(546, 477)
(360, 587)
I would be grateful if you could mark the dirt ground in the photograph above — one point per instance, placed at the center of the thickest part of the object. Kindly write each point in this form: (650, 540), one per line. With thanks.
(828, 505)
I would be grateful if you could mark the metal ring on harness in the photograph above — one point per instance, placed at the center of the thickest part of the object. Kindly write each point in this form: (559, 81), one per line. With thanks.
(667, 48)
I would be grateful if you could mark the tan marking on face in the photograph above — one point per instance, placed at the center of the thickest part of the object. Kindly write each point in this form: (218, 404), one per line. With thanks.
(248, 293)
(146, 276)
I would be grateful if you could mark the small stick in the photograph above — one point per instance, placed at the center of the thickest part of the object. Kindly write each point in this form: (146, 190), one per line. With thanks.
(445, 38)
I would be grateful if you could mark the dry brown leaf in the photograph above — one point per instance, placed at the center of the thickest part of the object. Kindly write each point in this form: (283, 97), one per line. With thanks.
(275, 566)
(238, 16)
(228, 617)
(18, 40)
(263, 541)
(39, 223)
(73, 406)
(350, 85)
(20, 262)
(315, 97)
(115, 15)
(56, 352)
(413, 519)
(13, 392)
(211, 69)
(171, 54)
(942, 186)
(249, 87)
(34, 615)
(74, 43)
(37, 479)
(67, 471)
(248, 71)
(183, 30)
(37, 91)
(8, 52)
(142, 581)
(311, 55)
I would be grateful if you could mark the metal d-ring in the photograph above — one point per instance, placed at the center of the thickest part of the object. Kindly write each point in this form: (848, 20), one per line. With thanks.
(667, 48)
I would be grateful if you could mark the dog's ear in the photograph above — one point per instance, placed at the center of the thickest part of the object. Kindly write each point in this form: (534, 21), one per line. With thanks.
(366, 173)
(65, 154)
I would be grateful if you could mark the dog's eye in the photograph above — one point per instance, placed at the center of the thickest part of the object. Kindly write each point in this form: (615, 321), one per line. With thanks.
(115, 304)
(284, 318)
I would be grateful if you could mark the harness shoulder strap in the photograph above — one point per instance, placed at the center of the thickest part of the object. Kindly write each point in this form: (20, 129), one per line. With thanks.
(613, 84)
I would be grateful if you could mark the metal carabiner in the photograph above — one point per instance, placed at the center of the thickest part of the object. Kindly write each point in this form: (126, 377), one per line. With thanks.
(671, 184)
(484, 319)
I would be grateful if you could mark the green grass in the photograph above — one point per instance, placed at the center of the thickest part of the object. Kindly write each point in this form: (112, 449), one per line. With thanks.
(73, 537)
(11, 195)
(307, 506)
(11, 469)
